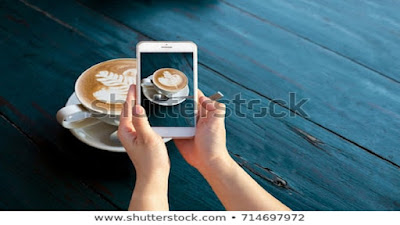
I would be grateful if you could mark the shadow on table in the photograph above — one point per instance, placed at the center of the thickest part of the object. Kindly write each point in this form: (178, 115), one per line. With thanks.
(67, 155)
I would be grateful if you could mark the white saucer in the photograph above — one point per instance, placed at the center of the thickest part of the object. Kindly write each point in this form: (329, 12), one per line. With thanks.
(98, 135)
(149, 92)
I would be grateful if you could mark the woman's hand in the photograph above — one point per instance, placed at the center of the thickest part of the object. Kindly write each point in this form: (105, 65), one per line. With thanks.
(208, 147)
(149, 155)
(207, 152)
(145, 148)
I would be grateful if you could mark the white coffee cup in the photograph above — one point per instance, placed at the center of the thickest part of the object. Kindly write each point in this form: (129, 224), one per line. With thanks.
(165, 90)
(86, 113)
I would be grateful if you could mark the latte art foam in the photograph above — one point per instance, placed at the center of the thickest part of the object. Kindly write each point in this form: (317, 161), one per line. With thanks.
(115, 86)
(170, 80)
(104, 86)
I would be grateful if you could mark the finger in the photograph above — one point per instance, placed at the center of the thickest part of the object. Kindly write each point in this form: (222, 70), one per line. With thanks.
(208, 104)
(126, 113)
(218, 112)
(140, 121)
(126, 135)
(200, 111)
(201, 108)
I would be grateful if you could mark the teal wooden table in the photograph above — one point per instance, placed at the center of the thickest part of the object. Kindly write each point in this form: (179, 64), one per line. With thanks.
(342, 57)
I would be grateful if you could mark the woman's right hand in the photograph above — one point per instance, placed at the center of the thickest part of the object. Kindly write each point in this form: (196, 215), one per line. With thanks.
(207, 152)
(208, 147)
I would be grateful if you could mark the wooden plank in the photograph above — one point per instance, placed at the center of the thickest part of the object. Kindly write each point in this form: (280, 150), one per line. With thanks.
(30, 181)
(366, 32)
(345, 97)
(305, 166)
(51, 62)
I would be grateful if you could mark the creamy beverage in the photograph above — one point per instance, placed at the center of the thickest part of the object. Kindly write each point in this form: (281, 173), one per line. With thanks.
(170, 80)
(104, 86)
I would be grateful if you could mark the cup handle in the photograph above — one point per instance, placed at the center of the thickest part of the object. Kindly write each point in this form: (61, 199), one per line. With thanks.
(64, 114)
(146, 82)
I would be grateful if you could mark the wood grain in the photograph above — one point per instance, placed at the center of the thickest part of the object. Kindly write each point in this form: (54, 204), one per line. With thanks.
(345, 97)
(47, 79)
(29, 180)
(299, 162)
(370, 40)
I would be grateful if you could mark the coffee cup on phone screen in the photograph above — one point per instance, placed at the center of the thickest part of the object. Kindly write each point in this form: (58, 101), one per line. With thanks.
(166, 81)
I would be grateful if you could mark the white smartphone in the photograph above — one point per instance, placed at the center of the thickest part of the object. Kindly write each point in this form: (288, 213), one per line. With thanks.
(167, 86)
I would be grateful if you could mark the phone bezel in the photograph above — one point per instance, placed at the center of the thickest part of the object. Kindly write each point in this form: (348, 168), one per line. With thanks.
(169, 47)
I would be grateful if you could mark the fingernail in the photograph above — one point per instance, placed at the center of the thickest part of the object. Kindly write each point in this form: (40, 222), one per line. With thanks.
(137, 110)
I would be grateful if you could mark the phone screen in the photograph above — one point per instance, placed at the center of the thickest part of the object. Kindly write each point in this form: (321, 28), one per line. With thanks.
(167, 88)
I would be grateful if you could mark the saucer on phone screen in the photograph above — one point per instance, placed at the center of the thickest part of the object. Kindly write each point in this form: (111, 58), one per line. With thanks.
(98, 135)
(149, 91)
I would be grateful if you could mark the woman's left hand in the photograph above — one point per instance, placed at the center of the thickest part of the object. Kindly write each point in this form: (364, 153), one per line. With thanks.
(147, 151)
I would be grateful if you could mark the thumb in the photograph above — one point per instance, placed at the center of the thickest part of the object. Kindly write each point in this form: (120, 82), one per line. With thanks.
(140, 121)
